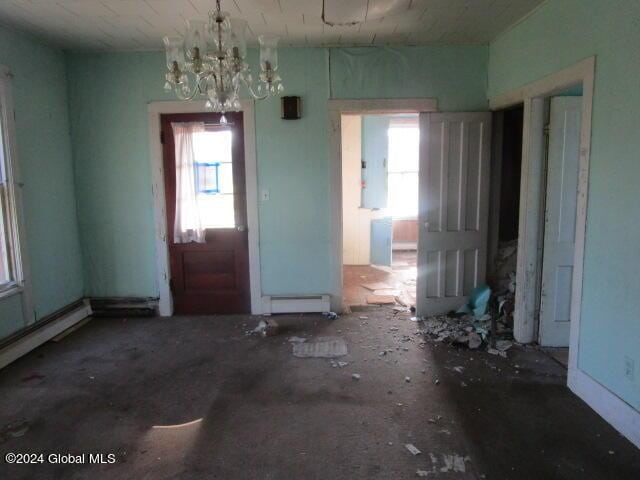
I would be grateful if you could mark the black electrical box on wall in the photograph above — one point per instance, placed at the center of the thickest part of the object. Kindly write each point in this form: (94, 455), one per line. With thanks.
(291, 108)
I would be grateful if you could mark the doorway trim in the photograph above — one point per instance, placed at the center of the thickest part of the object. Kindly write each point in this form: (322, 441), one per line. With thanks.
(155, 110)
(612, 408)
(337, 108)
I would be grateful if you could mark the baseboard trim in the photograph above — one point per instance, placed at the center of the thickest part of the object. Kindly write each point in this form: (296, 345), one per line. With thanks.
(622, 416)
(45, 330)
(296, 304)
(124, 306)
(404, 246)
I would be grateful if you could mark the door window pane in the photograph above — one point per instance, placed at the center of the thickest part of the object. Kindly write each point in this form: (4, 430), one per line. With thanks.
(214, 178)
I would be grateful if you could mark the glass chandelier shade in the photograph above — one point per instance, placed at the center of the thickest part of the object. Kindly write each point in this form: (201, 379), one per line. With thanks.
(210, 61)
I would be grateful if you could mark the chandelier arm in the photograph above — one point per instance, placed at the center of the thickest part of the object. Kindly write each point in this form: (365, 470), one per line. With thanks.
(252, 92)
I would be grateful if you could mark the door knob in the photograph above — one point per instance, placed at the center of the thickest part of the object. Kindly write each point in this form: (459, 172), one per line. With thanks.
(426, 225)
(241, 228)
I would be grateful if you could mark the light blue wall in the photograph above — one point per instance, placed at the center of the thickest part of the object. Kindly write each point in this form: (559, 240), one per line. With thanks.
(558, 35)
(455, 75)
(108, 103)
(45, 161)
(108, 95)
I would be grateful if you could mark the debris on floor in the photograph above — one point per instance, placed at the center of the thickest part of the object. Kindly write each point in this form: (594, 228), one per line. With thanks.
(486, 318)
(355, 376)
(381, 299)
(297, 339)
(330, 315)
(412, 449)
(454, 463)
(321, 347)
(339, 364)
(464, 329)
(267, 328)
(13, 430)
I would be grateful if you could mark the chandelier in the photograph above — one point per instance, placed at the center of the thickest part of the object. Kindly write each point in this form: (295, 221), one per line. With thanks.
(210, 61)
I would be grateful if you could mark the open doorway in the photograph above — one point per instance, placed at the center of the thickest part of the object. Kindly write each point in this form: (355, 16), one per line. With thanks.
(380, 158)
(550, 211)
(506, 177)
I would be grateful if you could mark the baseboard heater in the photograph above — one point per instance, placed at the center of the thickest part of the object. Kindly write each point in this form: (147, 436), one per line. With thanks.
(44, 330)
(296, 304)
(118, 307)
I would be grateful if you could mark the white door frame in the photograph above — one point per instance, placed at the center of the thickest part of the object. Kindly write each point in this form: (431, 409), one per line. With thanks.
(155, 110)
(612, 408)
(337, 108)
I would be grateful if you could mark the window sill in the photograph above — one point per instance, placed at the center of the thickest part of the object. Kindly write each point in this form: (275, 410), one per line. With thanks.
(10, 290)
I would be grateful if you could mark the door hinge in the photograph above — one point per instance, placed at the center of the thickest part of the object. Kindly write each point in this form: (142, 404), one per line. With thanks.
(162, 137)
(546, 129)
(171, 284)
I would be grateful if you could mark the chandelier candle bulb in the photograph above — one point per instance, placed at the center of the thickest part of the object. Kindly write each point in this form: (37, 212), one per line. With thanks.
(210, 62)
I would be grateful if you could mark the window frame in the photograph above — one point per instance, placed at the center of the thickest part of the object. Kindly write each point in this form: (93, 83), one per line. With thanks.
(401, 173)
(13, 216)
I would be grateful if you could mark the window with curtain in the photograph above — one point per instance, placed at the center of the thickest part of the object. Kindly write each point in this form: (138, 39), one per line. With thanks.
(404, 144)
(204, 181)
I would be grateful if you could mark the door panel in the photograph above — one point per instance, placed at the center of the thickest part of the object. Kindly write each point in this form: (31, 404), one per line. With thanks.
(560, 220)
(375, 150)
(211, 277)
(453, 208)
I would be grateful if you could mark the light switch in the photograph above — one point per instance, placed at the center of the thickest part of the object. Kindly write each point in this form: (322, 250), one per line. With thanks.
(265, 195)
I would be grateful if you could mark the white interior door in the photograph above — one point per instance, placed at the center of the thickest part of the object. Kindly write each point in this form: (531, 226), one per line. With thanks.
(560, 220)
(453, 208)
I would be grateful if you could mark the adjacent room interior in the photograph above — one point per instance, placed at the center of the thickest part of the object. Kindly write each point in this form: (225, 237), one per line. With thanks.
(380, 158)
(248, 239)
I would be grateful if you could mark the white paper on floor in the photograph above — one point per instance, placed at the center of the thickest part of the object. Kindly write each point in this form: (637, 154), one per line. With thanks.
(321, 347)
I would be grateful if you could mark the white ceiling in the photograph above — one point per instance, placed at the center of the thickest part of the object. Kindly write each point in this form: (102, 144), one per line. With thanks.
(141, 24)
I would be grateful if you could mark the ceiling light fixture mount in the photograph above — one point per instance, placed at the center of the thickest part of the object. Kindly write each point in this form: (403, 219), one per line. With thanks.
(210, 61)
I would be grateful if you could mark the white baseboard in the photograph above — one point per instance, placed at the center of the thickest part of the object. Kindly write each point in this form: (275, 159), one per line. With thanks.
(24, 345)
(296, 304)
(404, 246)
(622, 416)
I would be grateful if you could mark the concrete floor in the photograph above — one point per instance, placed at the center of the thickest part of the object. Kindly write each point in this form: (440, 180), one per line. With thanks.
(195, 398)
(560, 355)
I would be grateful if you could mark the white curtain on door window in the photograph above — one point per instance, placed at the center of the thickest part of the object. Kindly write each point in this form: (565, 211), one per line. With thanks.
(188, 226)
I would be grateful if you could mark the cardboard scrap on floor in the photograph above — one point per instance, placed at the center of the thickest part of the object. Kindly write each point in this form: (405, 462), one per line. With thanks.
(321, 347)
(387, 291)
(381, 299)
(376, 286)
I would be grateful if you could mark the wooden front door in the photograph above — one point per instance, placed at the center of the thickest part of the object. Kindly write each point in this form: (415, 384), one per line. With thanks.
(210, 277)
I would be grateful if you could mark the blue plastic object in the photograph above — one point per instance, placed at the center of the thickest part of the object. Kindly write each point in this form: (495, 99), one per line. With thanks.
(478, 302)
